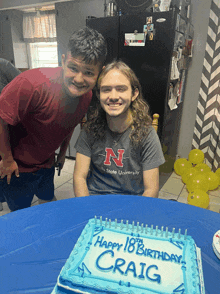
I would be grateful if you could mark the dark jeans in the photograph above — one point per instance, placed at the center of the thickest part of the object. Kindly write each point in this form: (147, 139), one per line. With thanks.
(20, 192)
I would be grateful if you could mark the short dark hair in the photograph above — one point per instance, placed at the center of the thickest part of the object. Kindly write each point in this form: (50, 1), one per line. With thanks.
(88, 44)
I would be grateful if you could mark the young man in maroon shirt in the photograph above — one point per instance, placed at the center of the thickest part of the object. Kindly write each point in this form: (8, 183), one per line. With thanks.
(39, 110)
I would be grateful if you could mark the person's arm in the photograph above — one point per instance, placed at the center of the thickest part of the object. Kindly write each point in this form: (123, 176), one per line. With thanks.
(152, 158)
(62, 153)
(151, 182)
(5, 147)
(80, 175)
(7, 164)
(15, 112)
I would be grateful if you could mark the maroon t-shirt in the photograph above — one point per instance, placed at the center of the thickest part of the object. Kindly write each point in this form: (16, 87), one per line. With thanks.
(33, 105)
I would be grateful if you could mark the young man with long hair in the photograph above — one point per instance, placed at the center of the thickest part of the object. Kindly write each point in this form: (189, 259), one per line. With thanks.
(118, 151)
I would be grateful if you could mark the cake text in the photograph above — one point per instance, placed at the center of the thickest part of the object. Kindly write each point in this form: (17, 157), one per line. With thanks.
(131, 267)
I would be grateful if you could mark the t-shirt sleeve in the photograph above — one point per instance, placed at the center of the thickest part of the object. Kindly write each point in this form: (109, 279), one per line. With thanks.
(16, 100)
(151, 153)
(83, 144)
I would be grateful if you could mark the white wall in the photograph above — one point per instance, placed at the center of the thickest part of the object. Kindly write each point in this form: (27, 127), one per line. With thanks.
(15, 47)
(200, 20)
(68, 22)
(19, 46)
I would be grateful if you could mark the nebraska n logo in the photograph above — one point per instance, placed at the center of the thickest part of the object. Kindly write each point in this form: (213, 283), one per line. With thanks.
(110, 153)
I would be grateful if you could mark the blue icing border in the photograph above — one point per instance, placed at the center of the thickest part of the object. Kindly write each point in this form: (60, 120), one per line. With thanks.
(75, 252)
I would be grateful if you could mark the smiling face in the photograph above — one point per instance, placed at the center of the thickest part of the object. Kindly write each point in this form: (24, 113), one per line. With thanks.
(116, 94)
(78, 77)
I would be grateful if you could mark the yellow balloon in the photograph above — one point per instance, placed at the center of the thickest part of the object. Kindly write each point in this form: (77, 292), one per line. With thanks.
(188, 174)
(198, 181)
(213, 180)
(198, 198)
(181, 165)
(217, 172)
(196, 156)
(202, 167)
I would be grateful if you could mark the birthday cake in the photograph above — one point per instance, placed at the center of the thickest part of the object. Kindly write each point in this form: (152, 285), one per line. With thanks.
(116, 257)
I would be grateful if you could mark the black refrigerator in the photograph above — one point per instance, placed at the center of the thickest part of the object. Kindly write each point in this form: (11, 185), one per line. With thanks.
(151, 62)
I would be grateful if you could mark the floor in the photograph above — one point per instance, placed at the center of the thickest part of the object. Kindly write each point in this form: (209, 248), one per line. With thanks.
(174, 188)
(171, 187)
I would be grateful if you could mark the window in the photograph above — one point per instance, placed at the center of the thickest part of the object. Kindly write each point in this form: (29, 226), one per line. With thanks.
(43, 54)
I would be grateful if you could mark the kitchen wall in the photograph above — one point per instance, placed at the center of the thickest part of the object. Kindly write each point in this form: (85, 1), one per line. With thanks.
(19, 46)
(16, 50)
(199, 19)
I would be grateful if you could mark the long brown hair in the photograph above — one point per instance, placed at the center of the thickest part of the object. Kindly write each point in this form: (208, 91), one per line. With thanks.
(96, 117)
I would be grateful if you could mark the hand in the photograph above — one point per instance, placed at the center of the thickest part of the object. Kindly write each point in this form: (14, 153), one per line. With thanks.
(59, 162)
(7, 167)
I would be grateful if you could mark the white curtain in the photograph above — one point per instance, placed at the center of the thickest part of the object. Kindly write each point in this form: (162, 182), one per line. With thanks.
(39, 28)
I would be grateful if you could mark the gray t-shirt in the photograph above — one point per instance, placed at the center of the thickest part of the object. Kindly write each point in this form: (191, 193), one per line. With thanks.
(116, 166)
(7, 73)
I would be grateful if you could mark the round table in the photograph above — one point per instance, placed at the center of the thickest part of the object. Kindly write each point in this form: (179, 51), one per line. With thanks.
(35, 242)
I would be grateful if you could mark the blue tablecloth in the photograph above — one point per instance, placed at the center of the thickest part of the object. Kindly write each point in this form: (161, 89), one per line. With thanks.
(35, 242)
